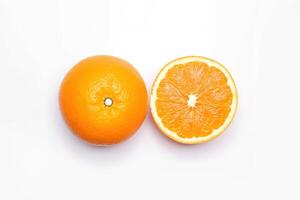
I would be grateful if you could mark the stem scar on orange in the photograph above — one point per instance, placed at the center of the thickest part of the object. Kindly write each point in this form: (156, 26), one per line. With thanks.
(103, 99)
(193, 99)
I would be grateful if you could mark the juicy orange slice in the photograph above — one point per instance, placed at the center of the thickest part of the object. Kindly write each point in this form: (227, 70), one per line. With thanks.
(193, 99)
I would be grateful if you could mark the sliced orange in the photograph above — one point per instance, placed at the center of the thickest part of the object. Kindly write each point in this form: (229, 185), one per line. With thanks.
(193, 99)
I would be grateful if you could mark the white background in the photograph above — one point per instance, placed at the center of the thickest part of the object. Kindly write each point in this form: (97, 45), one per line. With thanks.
(257, 157)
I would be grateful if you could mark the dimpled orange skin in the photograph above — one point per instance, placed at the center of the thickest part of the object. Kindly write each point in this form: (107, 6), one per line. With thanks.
(84, 92)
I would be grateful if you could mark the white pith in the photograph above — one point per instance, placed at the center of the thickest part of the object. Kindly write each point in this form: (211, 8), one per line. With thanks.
(216, 132)
(192, 100)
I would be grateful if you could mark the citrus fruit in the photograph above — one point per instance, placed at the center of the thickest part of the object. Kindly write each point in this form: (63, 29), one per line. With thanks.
(103, 99)
(193, 99)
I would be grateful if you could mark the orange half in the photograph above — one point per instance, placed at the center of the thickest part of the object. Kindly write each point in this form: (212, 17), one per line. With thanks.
(193, 99)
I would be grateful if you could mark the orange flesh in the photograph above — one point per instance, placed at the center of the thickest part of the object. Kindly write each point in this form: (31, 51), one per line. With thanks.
(193, 99)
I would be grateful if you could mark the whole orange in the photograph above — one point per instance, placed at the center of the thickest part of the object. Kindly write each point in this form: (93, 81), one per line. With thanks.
(103, 99)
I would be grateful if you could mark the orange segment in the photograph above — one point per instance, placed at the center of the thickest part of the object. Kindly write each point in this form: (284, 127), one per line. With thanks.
(193, 99)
